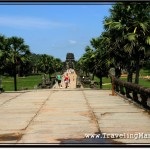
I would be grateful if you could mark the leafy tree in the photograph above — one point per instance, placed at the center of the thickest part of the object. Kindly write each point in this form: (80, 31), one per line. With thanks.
(17, 52)
(2, 47)
(86, 61)
(132, 21)
(101, 57)
(35, 59)
(49, 64)
(45, 63)
(57, 64)
(96, 59)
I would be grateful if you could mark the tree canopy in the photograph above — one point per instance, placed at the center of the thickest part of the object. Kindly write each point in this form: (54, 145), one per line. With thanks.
(124, 43)
(17, 59)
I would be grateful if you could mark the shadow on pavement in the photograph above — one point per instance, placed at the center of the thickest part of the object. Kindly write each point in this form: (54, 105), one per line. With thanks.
(100, 140)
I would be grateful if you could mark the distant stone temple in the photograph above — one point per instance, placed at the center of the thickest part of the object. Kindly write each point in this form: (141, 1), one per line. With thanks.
(70, 61)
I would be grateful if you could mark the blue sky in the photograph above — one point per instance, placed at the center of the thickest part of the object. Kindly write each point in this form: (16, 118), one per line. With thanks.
(54, 29)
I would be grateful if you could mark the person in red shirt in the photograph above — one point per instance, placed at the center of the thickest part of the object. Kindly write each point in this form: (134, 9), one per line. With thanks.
(67, 80)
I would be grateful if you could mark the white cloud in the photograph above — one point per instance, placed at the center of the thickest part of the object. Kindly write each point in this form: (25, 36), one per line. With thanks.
(29, 22)
(72, 42)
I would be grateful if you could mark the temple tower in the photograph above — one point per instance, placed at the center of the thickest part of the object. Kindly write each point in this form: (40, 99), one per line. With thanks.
(70, 61)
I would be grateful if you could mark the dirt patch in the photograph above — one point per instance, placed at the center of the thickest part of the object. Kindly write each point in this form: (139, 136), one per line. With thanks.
(10, 136)
(86, 114)
(89, 115)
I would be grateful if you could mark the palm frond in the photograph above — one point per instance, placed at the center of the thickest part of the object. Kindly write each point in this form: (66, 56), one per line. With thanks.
(142, 48)
(148, 40)
(1, 53)
(128, 48)
(131, 36)
(143, 26)
(135, 30)
(92, 56)
(116, 25)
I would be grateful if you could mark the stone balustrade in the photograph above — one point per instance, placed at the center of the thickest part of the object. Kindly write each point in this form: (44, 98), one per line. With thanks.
(133, 91)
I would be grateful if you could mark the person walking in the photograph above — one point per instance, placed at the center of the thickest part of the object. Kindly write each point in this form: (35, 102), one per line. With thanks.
(59, 77)
(67, 80)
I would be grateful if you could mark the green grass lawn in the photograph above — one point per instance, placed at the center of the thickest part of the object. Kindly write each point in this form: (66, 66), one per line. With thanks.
(145, 83)
(106, 81)
(142, 82)
(22, 82)
(144, 72)
(30, 82)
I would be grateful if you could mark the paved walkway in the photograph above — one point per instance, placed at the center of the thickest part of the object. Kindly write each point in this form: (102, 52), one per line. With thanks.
(71, 85)
(60, 116)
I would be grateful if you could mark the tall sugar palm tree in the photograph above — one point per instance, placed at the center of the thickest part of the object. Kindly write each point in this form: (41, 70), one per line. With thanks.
(17, 52)
(2, 48)
(45, 63)
(133, 20)
(101, 58)
(86, 61)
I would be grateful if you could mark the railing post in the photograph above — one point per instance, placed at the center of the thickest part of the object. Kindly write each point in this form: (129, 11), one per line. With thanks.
(144, 100)
(135, 96)
(127, 92)
(113, 87)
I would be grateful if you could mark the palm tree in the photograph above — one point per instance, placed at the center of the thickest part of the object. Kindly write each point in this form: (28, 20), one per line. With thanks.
(35, 59)
(86, 61)
(57, 64)
(45, 63)
(2, 48)
(101, 57)
(115, 44)
(95, 60)
(49, 64)
(133, 21)
(17, 52)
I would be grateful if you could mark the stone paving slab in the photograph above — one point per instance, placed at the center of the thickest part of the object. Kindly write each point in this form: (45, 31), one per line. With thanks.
(17, 113)
(115, 117)
(125, 115)
(69, 118)
(5, 97)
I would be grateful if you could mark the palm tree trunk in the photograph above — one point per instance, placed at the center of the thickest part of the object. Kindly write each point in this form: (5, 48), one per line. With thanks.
(15, 78)
(137, 71)
(117, 72)
(49, 75)
(129, 78)
(93, 75)
(86, 73)
(100, 81)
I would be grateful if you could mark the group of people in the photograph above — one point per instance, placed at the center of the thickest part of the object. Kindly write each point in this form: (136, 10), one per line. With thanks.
(66, 80)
